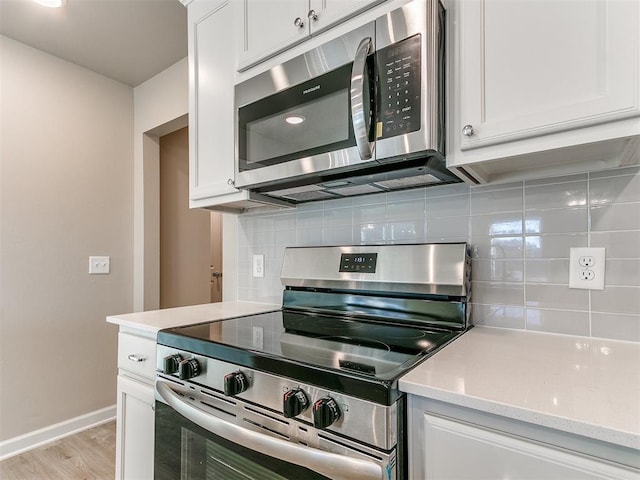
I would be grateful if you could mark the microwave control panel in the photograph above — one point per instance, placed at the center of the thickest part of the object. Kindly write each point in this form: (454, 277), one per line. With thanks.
(398, 72)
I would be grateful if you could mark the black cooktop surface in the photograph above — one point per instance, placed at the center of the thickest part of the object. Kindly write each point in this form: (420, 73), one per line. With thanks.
(354, 356)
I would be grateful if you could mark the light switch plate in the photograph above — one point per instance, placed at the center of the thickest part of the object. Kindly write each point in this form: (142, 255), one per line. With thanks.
(99, 265)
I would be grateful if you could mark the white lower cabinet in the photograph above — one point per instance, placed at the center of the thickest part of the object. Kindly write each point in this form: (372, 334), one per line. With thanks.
(443, 447)
(135, 429)
(135, 406)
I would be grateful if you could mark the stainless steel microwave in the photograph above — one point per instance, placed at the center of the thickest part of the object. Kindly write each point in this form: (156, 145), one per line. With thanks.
(362, 113)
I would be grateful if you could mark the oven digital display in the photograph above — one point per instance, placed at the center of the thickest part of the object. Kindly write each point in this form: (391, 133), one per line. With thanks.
(358, 262)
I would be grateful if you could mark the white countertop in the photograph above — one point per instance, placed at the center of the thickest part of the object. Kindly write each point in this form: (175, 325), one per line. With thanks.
(585, 386)
(155, 320)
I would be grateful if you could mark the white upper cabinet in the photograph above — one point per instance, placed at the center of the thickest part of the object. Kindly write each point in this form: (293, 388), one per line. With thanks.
(211, 168)
(539, 76)
(212, 60)
(271, 26)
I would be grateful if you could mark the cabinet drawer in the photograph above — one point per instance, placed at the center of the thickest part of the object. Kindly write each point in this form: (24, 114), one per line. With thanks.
(136, 354)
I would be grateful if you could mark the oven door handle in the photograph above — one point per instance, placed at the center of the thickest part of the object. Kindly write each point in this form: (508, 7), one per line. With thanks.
(360, 110)
(332, 465)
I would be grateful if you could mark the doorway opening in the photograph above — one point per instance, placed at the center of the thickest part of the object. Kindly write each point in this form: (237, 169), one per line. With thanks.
(190, 239)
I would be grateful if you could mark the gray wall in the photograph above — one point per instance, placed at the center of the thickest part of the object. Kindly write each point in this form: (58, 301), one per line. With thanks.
(66, 193)
(521, 234)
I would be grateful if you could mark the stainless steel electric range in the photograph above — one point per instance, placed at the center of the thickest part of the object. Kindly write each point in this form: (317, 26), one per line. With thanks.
(310, 390)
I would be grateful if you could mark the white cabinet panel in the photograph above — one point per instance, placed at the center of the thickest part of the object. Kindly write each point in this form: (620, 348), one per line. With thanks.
(533, 76)
(271, 26)
(212, 60)
(137, 355)
(546, 65)
(211, 63)
(134, 430)
(455, 450)
(330, 12)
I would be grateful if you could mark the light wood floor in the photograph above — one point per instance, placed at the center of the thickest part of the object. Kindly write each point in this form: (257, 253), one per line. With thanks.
(88, 455)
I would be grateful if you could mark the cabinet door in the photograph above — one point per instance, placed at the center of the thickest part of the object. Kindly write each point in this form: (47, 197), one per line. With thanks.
(135, 430)
(270, 26)
(330, 12)
(211, 67)
(455, 450)
(534, 67)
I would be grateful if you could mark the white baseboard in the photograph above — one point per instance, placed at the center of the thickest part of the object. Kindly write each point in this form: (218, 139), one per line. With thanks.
(31, 440)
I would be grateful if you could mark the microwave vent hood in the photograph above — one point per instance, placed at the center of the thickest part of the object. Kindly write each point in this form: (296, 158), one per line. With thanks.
(425, 170)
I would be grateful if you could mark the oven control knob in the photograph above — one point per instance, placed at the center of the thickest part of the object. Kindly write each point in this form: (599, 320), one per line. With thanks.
(325, 412)
(294, 402)
(170, 363)
(235, 383)
(188, 369)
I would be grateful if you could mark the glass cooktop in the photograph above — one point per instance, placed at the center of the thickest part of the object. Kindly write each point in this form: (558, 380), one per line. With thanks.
(352, 355)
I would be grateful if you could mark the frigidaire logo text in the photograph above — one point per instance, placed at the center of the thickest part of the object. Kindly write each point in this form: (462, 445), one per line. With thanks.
(312, 89)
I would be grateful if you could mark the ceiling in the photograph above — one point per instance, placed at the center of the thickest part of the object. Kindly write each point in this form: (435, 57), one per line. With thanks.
(127, 40)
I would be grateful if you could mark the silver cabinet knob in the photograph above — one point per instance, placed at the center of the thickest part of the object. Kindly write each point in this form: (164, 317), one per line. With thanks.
(312, 15)
(136, 358)
(467, 130)
(298, 23)
(230, 181)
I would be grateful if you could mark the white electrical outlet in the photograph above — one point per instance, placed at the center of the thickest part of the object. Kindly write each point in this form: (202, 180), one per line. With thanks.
(586, 268)
(99, 265)
(258, 266)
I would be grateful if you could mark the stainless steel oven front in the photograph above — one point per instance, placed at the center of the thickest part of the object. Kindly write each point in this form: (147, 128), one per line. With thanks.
(200, 433)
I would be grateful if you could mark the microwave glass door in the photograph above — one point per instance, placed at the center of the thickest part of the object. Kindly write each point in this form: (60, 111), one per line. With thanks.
(307, 119)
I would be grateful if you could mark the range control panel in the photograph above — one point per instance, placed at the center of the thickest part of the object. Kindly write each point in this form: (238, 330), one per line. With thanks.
(358, 262)
(399, 83)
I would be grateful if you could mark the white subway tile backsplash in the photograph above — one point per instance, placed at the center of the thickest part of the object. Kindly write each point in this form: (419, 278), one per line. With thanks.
(370, 213)
(622, 271)
(370, 233)
(447, 227)
(497, 247)
(498, 293)
(618, 327)
(620, 216)
(618, 244)
(494, 201)
(556, 195)
(498, 316)
(561, 179)
(558, 321)
(603, 191)
(520, 234)
(553, 246)
(337, 235)
(446, 190)
(505, 223)
(406, 209)
(498, 270)
(560, 220)
(616, 299)
(561, 297)
(547, 271)
(450, 206)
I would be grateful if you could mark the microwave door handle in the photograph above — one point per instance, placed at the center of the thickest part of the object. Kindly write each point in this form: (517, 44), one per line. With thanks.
(325, 463)
(360, 111)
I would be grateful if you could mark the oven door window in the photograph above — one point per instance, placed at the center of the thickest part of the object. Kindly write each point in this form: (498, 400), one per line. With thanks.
(304, 120)
(185, 451)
